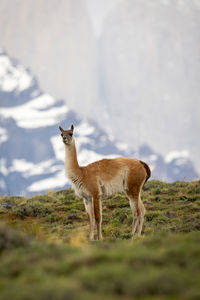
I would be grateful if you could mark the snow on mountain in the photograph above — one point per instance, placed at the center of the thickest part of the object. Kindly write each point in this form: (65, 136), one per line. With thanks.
(3, 135)
(13, 77)
(31, 149)
(35, 113)
(176, 155)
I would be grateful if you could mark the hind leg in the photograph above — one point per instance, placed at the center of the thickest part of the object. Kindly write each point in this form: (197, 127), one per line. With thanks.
(137, 208)
(135, 222)
(141, 217)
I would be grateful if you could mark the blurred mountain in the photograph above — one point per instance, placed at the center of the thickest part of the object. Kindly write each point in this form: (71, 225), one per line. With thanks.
(149, 73)
(32, 152)
(54, 38)
(138, 75)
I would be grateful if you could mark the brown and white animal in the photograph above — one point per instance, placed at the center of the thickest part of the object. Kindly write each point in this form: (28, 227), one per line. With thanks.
(106, 176)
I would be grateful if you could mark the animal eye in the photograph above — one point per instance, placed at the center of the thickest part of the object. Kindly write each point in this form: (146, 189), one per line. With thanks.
(61, 134)
(70, 134)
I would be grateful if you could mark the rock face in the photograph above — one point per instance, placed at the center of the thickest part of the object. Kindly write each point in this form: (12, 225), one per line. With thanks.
(149, 73)
(54, 39)
(32, 153)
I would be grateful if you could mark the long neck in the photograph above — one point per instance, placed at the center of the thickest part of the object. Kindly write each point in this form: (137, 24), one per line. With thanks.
(71, 162)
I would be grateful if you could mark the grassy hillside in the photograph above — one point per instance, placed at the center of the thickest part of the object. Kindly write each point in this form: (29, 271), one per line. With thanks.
(45, 252)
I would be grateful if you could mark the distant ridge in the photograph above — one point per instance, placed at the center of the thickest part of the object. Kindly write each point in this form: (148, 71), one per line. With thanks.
(32, 153)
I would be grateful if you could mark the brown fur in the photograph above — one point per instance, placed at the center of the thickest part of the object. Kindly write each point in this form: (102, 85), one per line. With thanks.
(148, 171)
(106, 176)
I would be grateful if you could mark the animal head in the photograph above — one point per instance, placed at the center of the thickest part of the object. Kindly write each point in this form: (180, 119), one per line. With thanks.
(67, 135)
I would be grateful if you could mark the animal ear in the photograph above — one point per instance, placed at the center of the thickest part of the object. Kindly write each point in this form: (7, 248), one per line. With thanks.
(61, 129)
(72, 127)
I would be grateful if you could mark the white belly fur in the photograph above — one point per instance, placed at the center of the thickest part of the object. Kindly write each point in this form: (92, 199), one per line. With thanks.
(116, 184)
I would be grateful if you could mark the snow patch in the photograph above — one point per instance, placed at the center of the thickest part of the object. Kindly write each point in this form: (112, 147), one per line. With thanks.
(175, 155)
(84, 129)
(28, 169)
(32, 113)
(57, 181)
(3, 167)
(42, 102)
(86, 157)
(58, 147)
(3, 135)
(13, 77)
(21, 165)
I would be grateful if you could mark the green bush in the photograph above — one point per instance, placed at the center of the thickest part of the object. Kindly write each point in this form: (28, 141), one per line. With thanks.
(10, 238)
(32, 208)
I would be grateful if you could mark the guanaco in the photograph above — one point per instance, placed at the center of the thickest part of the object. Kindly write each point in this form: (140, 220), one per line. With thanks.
(105, 177)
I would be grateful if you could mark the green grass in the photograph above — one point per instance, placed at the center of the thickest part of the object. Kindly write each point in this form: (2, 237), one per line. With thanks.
(45, 252)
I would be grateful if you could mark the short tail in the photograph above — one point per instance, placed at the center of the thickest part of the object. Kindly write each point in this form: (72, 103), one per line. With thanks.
(147, 169)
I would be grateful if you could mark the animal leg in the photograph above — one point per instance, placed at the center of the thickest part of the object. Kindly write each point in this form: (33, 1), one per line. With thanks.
(137, 208)
(141, 217)
(135, 216)
(98, 215)
(90, 212)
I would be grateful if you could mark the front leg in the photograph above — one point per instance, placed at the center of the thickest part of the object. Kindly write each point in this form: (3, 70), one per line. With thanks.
(90, 212)
(98, 215)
